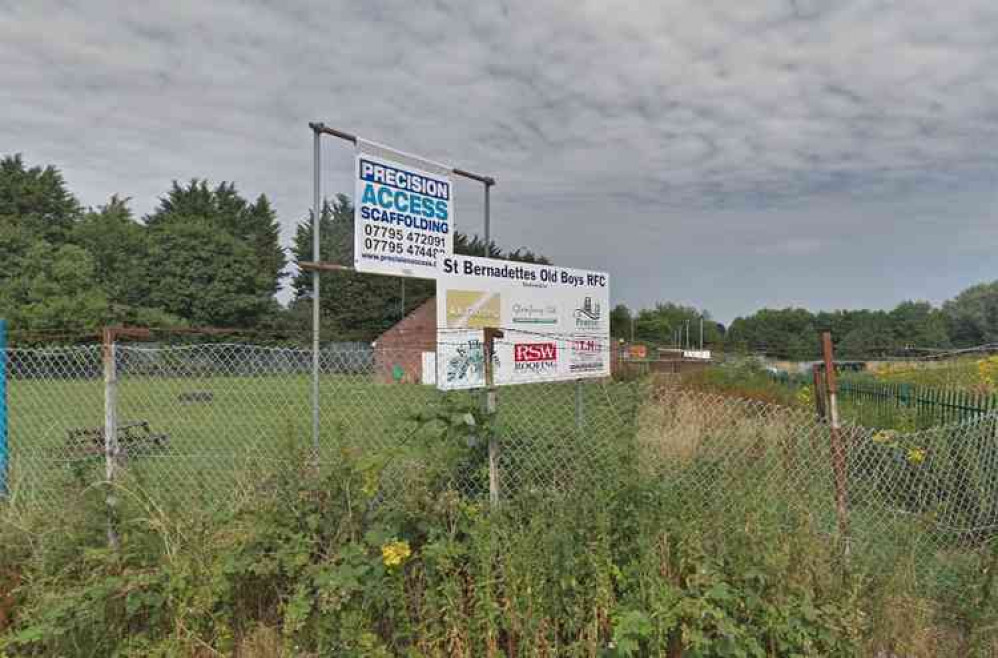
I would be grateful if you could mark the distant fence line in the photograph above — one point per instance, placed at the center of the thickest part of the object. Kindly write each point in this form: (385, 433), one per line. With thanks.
(930, 406)
(83, 362)
(878, 402)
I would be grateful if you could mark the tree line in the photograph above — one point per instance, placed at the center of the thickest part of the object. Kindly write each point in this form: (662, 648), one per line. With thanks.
(205, 256)
(911, 328)
(208, 256)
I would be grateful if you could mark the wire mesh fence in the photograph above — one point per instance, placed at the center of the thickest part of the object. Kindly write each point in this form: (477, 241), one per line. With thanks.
(205, 425)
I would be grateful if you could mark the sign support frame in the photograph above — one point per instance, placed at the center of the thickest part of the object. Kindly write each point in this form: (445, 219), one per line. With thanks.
(317, 265)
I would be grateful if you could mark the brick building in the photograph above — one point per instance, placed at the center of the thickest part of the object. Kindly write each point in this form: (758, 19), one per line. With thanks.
(398, 353)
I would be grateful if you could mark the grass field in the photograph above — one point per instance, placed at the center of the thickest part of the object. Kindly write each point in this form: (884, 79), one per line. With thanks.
(254, 422)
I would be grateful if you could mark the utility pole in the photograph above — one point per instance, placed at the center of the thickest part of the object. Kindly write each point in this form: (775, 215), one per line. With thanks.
(701, 333)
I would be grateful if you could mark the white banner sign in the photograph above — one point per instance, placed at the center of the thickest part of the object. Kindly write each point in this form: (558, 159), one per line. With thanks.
(556, 322)
(403, 213)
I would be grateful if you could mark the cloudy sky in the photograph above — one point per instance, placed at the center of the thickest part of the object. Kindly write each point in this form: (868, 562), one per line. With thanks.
(729, 154)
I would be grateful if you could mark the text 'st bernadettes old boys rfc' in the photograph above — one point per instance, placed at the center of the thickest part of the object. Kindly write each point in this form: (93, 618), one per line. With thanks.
(555, 322)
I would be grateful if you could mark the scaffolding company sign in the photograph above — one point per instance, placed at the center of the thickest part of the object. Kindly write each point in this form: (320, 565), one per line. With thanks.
(555, 320)
(403, 213)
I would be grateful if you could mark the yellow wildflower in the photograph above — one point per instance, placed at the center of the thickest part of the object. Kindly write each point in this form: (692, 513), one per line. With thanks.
(372, 479)
(395, 553)
(884, 436)
(987, 370)
(916, 455)
(805, 396)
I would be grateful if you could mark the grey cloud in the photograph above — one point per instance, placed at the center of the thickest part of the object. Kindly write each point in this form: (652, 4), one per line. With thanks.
(728, 154)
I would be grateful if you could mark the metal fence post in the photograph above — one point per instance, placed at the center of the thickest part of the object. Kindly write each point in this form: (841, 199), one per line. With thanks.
(110, 431)
(4, 446)
(819, 393)
(491, 404)
(838, 448)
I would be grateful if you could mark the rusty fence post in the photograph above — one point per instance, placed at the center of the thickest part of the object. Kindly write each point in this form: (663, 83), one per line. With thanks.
(838, 447)
(491, 405)
(819, 393)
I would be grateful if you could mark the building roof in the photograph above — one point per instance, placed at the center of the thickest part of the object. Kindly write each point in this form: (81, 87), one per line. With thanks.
(419, 325)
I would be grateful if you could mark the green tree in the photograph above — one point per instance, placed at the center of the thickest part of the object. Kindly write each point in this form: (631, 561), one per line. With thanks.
(119, 248)
(36, 201)
(206, 276)
(973, 315)
(620, 322)
(225, 210)
(789, 333)
(475, 246)
(117, 245)
(919, 324)
(355, 306)
(872, 334)
(53, 290)
(662, 325)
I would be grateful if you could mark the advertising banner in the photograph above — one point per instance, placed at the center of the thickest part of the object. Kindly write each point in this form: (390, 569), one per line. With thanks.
(403, 213)
(555, 320)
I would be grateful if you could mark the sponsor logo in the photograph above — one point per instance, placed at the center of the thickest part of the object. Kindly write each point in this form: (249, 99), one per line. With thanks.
(535, 314)
(588, 315)
(587, 356)
(535, 357)
(472, 309)
(586, 346)
(530, 352)
(467, 365)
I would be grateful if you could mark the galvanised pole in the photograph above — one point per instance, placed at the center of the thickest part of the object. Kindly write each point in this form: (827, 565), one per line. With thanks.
(488, 218)
(316, 308)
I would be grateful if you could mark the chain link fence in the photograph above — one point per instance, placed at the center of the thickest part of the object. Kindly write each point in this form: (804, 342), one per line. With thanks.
(205, 425)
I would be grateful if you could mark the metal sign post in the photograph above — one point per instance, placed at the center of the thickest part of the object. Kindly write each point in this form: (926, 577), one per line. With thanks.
(316, 309)
(318, 130)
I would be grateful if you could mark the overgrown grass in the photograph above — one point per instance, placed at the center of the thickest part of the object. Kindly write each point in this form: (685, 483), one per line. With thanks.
(745, 379)
(703, 542)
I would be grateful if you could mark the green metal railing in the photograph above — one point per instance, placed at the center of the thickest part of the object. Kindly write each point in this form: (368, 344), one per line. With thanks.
(890, 404)
(893, 405)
